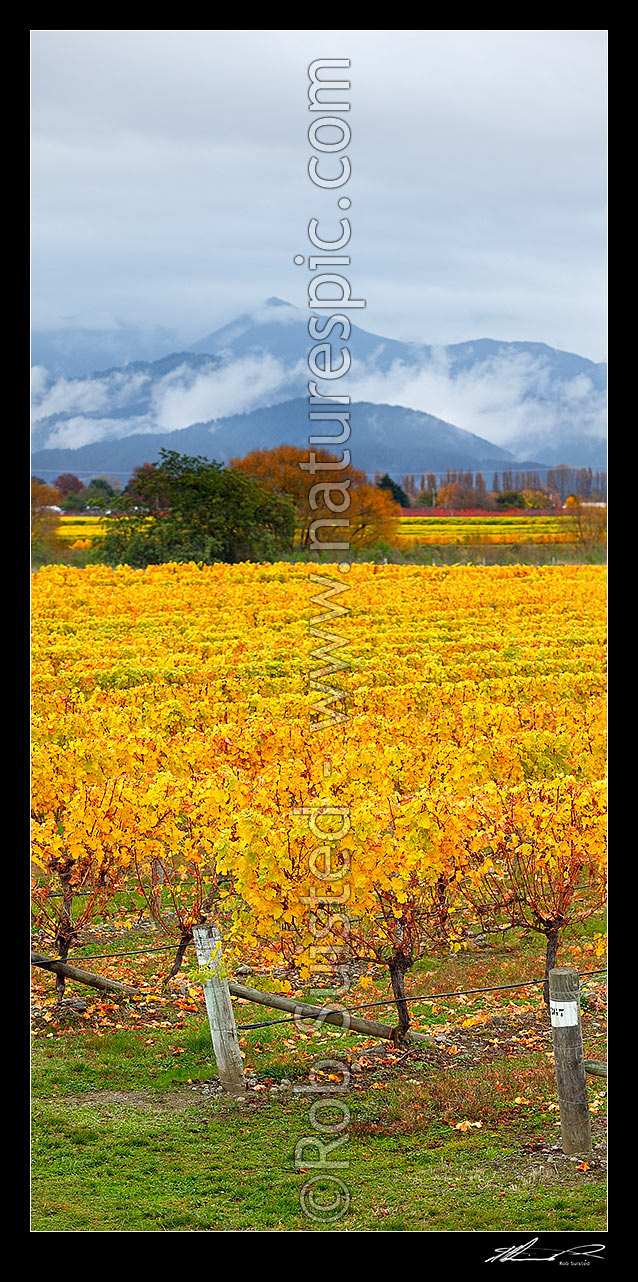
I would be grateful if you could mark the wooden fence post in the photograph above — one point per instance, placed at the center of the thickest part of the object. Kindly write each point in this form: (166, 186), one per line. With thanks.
(569, 1061)
(221, 1017)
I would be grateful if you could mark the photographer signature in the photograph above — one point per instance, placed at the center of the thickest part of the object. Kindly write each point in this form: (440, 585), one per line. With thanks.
(526, 1251)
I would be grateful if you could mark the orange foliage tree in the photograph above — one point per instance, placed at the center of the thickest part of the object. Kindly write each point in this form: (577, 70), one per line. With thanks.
(44, 521)
(371, 512)
(459, 497)
(588, 522)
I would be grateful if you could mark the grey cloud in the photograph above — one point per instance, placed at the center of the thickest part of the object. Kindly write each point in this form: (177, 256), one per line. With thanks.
(508, 400)
(170, 184)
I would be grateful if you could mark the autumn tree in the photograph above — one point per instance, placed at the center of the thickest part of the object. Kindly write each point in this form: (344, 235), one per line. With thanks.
(44, 521)
(460, 495)
(537, 499)
(43, 496)
(285, 471)
(373, 516)
(139, 480)
(455, 497)
(68, 483)
(449, 496)
(588, 522)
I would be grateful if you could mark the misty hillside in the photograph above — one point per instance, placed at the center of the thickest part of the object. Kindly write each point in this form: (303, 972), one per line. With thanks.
(529, 399)
(384, 437)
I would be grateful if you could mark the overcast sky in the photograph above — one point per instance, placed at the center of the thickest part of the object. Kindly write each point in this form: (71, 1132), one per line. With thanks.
(170, 186)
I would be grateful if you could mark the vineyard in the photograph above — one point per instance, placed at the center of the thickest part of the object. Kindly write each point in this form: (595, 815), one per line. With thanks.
(176, 779)
(484, 529)
(79, 531)
(417, 530)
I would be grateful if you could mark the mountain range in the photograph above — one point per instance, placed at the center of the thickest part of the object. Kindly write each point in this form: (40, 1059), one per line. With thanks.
(415, 407)
(388, 438)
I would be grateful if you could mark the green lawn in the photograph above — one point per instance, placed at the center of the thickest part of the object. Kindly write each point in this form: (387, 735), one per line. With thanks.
(228, 1166)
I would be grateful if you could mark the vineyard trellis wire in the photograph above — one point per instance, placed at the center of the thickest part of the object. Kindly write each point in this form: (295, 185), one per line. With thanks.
(387, 1001)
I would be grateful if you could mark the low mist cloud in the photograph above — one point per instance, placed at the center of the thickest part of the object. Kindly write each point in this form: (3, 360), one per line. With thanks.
(64, 395)
(186, 396)
(512, 399)
(507, 399)
(179, 398)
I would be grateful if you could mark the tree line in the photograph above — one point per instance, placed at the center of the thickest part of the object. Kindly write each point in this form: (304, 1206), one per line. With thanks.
(261, 506)
(462, 488)
(195, 509)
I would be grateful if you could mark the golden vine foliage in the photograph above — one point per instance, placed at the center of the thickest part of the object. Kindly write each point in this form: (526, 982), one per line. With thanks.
(171, 721)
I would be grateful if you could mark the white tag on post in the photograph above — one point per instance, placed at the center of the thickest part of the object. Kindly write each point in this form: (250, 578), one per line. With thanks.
(564, 1014)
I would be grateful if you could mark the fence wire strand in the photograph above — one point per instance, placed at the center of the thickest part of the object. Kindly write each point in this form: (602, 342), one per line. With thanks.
(390, 1001)
(387, 1001)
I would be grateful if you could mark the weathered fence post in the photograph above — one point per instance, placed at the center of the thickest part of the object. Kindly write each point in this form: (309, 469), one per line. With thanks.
(221, 1017)
(569, 1060)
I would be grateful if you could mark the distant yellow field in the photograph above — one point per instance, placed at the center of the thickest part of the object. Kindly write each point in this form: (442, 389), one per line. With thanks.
(417, 531)
(80, 528)
(414, 531)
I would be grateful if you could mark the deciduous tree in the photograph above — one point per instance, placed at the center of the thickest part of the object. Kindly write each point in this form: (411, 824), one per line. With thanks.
(588, 521)
(44, 521)
(68, 483)
(371, 513)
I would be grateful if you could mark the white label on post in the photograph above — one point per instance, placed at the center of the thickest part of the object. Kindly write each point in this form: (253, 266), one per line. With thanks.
(564, 1014)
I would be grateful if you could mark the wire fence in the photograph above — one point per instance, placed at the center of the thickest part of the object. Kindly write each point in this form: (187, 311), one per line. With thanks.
(427, 997)
(137, 952)
(386, 1001)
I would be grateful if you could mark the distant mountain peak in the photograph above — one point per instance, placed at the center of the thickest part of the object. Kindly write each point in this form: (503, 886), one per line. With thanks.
(277, 302)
